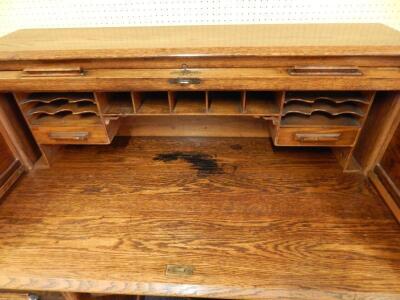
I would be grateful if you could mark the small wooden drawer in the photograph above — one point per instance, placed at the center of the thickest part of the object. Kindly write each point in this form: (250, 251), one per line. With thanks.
(333, 137)
(95, 134)
(13, 296)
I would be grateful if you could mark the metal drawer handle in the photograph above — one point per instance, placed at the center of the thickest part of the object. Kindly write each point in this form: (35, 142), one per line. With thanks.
(52, 72)
(327, 71)
(184, 81)
(76, 136)
(317, 137)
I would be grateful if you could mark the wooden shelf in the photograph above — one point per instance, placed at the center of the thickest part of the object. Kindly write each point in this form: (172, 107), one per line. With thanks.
(188, 103)
(262, 103)
(60, 106)
(50, 97)
(117, 104)
(64, 109)
(319, 119)
(151, 103)
(65, 119)
(325, 109)
(332, 109)
(332, 96)
(225, 103)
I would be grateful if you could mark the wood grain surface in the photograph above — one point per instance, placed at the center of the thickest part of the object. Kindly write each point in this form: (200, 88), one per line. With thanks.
(211, 79)
(377, 132)
(7, 157)
(254, 222)
(204, 62)
(388, 170)
(13, 296)
(201, 126)
(391, 159)
(14, 127)
(226, 40)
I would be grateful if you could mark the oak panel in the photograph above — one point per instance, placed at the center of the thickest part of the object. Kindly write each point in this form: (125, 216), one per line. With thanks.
(7, 157)
(209, 40)
(210, 79)
(389, 167)
(222, 205)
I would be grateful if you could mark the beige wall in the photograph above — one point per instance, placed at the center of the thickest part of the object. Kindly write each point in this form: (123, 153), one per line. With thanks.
(15, 14)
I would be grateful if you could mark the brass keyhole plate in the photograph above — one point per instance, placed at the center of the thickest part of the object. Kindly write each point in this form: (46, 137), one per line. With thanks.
(179, 270)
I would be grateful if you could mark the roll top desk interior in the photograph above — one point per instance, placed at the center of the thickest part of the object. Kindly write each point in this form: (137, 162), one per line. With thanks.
(305, 88)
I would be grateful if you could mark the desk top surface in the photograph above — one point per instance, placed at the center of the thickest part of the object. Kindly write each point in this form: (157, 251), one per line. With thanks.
(216, 40)
(252, 222)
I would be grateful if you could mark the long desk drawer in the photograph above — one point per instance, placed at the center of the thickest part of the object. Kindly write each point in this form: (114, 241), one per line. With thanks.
(278, 78)
(316, 136)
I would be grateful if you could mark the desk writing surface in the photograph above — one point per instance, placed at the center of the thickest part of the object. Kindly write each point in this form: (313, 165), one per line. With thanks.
(252, 222)
(208, 40)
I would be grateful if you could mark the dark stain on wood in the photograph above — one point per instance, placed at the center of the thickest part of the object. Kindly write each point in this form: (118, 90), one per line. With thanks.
(205, 164)
(236, 147)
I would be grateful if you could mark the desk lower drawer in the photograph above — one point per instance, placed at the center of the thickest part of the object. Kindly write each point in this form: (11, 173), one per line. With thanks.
(316, 136)
(13, 296)
(95, 134)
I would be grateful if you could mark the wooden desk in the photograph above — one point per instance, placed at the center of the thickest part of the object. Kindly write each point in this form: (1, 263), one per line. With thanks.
(209, 161)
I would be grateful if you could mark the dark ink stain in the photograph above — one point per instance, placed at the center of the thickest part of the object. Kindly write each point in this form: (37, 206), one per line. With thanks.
(236, 147)
(205, 164)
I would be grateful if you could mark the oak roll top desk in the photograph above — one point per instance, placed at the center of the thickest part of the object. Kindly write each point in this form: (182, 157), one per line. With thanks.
(323, 94)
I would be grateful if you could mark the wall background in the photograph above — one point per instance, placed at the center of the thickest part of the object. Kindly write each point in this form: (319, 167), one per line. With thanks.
(16, 14)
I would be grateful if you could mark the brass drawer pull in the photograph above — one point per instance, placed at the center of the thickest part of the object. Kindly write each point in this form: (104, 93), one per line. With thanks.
(317, 137)
(184, 81)
(327, 71)
(52, 72)
(76, 136)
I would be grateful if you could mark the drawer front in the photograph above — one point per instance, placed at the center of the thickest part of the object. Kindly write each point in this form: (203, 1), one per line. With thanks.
(14, 296)
(71, 135)
(332, 137)
(272, 78)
